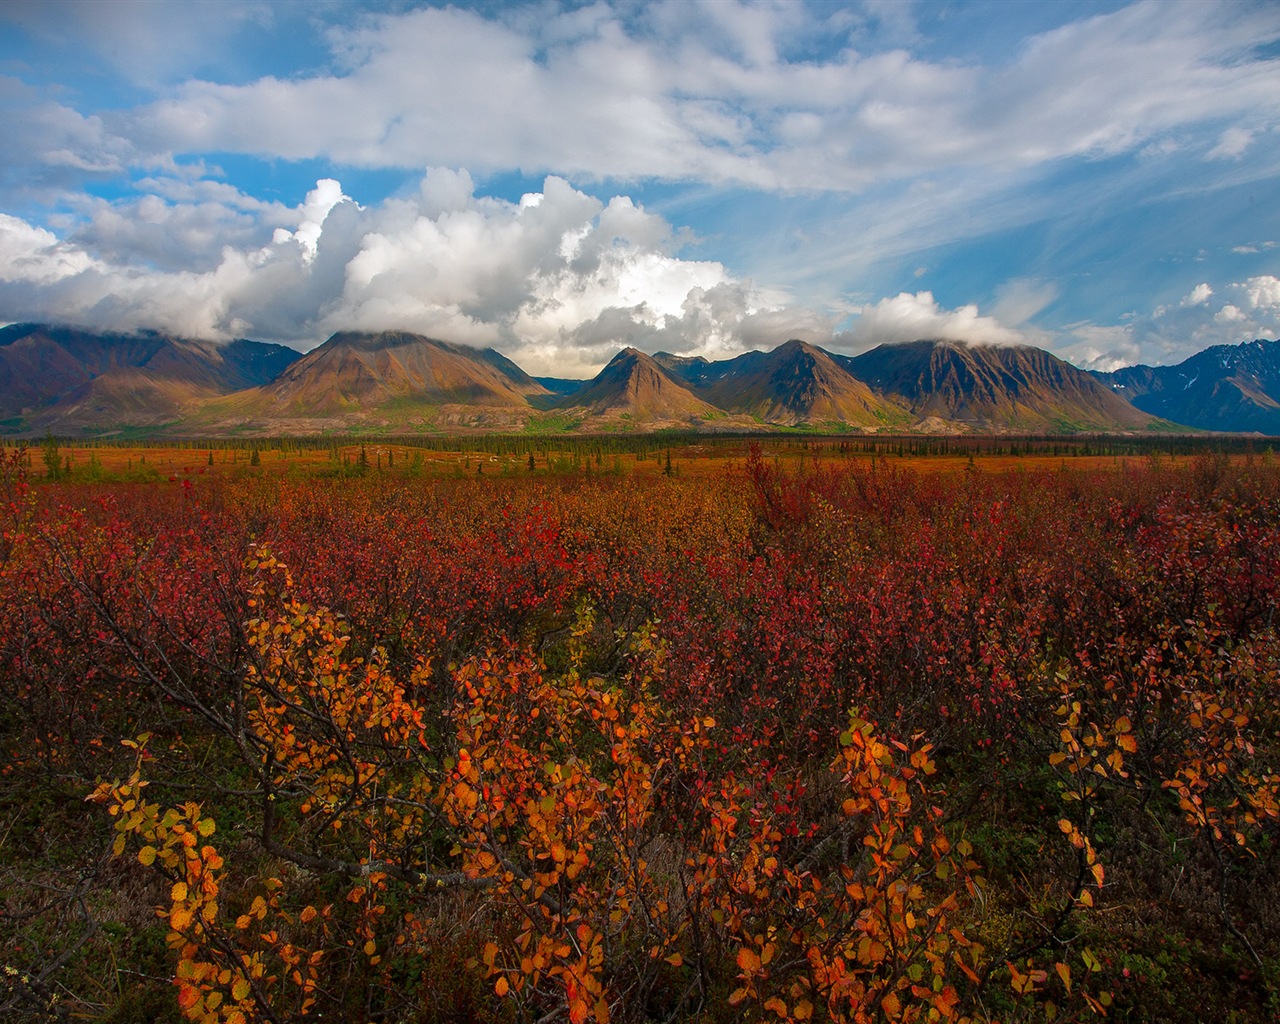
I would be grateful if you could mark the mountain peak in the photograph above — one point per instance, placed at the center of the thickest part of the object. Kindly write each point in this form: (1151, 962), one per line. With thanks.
(635, 385)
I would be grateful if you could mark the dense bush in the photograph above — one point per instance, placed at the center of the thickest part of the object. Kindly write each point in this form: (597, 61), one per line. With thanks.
(836, 744)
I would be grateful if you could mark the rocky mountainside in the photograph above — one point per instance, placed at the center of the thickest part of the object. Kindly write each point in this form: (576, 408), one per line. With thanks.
(972, 387)
(388, 379)
(66, 380)
(635, 386)
(1226, 387)
(795, 383)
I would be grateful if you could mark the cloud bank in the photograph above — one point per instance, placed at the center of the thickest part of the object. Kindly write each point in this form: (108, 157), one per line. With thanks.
(558, 280)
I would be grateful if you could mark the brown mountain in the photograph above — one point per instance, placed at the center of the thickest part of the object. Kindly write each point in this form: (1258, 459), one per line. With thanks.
(392, 378)
(634, 386)
(988, 387)
(66, 379)
(795, 383)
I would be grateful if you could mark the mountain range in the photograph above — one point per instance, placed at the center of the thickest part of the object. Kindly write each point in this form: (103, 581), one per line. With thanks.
(1226, 387)
(71, 382)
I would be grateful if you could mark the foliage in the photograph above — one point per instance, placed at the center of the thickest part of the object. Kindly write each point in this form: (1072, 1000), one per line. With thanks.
(846, 743)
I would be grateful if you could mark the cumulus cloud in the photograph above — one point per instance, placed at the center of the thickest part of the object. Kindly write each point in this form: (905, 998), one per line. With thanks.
(1231, 145)
(1227, 315)
(915, 317)
(558, 280)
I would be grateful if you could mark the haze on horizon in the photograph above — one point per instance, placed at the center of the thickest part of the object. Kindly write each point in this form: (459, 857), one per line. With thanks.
(559, 180)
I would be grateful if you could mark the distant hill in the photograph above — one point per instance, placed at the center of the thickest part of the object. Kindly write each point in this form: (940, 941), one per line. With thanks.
(65, 379)
(1226, 387)
(953, 385)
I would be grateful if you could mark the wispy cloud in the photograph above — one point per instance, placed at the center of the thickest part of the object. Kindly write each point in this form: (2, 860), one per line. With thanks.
(724, 92)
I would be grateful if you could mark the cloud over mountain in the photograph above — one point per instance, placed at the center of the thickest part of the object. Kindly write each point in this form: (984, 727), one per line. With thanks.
(558, 279)
(1237, 312)
(851, 172)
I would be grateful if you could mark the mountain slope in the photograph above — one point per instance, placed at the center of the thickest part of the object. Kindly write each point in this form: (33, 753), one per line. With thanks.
(1226, 387)
(793, 384)
(66, 379)
(635, 386)
(980, 387)
(384, 379)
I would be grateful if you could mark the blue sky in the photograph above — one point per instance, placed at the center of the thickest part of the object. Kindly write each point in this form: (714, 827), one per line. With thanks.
(559, 180)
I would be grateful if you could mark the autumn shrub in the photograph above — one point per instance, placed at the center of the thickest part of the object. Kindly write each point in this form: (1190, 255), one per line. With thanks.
(846, 743)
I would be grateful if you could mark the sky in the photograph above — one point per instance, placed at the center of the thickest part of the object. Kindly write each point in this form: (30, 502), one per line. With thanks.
(559, 180)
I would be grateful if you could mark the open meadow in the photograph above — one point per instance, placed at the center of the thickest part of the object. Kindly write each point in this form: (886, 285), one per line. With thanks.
(648, 729)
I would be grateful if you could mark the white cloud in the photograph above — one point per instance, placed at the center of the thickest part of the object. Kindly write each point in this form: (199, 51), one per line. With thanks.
(1198, 296)
(560, 280)
(908, 317)
(1231, 144)
(1227, 315)
(33, 256)
(1100, 347)
(681, 91)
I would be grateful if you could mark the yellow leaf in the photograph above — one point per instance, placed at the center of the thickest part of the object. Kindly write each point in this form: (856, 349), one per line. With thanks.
(675, 960)
(803, 1010)
(1064, 972)
(240, 990)
(147, 856)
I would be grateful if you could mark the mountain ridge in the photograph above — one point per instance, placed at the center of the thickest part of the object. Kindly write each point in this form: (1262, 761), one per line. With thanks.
(71, 380)
(1223, 387)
